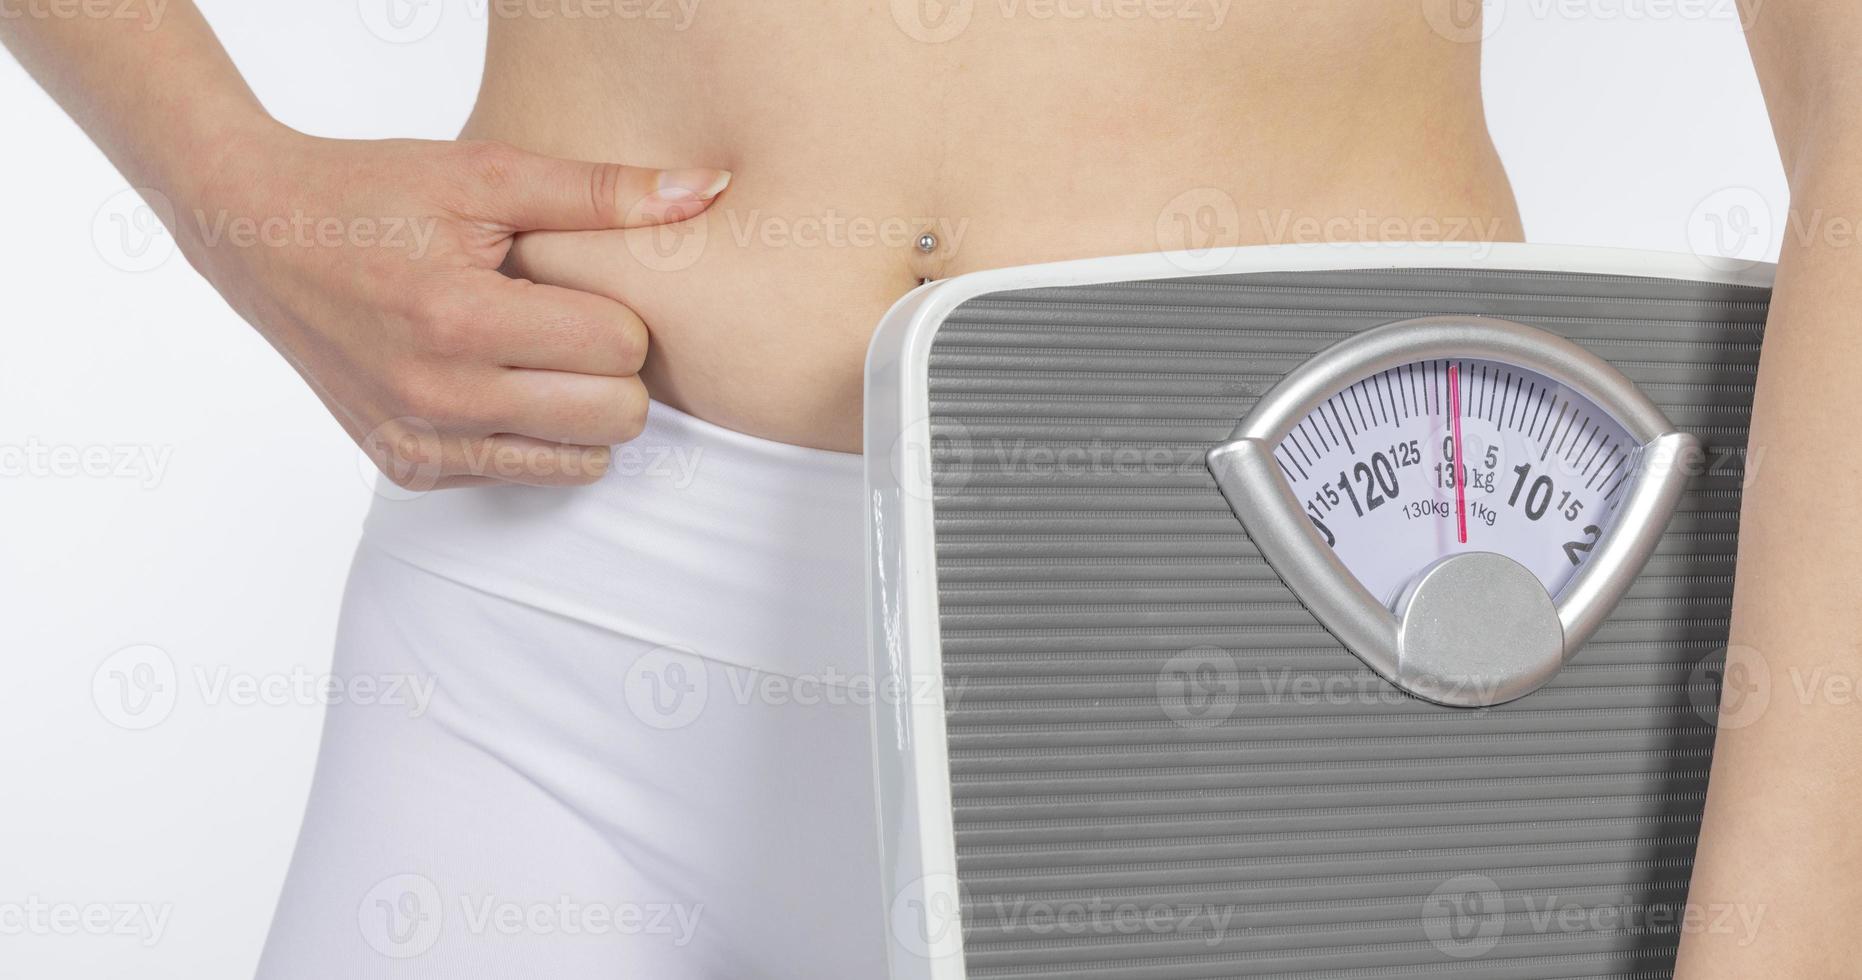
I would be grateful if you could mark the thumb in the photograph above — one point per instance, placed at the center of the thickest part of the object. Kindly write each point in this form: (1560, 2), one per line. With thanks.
(529, 192)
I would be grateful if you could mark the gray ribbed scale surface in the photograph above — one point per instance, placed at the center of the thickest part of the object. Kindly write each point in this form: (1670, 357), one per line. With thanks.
(1346, 830)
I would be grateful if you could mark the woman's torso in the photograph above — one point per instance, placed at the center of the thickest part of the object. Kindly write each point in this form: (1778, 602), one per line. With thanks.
(1013, 131)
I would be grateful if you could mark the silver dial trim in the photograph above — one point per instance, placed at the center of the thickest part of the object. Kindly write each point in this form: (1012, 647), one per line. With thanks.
(1262, 500)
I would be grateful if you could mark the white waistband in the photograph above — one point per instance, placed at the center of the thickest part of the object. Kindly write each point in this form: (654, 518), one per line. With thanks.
(731, 547)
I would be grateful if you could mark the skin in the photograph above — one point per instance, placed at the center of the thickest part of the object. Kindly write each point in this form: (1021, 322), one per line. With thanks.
(1780, 844)
(1022, 139)
(525, 341)
(447, 372)
(1054, 138)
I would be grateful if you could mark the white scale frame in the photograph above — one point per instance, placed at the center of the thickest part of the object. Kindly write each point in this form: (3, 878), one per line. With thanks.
(919, 887)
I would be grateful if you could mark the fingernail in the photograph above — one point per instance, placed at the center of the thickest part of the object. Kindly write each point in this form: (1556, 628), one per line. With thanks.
(700, 183)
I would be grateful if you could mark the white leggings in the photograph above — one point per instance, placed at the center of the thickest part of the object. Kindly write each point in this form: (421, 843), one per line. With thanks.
(611, 732)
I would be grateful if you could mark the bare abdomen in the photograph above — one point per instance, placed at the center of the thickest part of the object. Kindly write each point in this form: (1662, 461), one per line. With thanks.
(1021, 139)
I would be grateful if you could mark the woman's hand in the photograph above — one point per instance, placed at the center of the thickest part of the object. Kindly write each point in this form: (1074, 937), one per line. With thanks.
(373, 268)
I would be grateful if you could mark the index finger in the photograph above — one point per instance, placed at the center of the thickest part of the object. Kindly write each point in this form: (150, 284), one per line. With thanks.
(525, 191)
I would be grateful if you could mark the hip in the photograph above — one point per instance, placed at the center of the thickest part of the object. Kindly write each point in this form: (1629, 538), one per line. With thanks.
(734, 549)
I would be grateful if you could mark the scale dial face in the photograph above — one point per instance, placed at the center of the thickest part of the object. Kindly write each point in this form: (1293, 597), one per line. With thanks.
(1440, 457)
(1460, 500)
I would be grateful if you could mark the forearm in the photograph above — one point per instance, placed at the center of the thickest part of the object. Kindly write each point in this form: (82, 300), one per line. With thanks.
(157, 93)
(1783, 833)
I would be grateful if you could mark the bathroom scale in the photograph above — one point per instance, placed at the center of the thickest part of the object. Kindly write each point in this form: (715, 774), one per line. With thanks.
(1303, 611)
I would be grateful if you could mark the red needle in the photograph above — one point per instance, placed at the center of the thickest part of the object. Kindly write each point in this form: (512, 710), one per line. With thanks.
(1454, 415)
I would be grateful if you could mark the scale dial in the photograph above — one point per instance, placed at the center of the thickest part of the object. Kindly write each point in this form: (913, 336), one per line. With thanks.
(1461, 501)
(1538, 476)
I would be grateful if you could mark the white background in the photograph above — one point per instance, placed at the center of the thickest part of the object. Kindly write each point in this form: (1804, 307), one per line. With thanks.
(1631, 123)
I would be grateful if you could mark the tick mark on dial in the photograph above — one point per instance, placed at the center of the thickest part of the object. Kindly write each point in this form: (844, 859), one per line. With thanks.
(1460, 470)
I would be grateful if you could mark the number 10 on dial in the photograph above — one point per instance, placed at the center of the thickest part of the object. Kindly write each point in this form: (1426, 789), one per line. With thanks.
(1436, 457)
(1460, 500)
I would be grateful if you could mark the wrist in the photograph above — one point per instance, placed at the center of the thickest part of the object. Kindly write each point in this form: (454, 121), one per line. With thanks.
(230, 167)
(217, 157)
